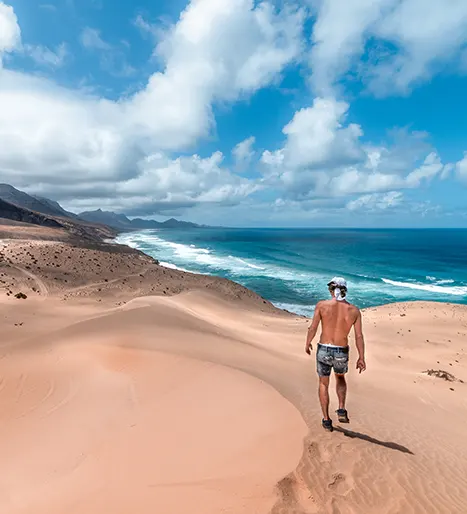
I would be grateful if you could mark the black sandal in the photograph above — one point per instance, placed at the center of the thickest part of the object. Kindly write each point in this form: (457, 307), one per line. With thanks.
(342, 416)
(327, 425)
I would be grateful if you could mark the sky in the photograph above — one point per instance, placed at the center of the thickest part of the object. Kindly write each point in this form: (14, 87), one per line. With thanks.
(282, 113)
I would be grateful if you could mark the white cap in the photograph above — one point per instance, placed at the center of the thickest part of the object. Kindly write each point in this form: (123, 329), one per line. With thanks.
(338, 281)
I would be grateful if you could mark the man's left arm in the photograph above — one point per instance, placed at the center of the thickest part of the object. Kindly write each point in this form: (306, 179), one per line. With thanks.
(313, 328)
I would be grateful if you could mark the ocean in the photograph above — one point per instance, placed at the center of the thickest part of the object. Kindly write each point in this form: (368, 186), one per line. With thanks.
(291, 267)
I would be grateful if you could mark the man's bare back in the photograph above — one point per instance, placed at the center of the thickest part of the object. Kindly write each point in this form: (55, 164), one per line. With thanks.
(337, 319)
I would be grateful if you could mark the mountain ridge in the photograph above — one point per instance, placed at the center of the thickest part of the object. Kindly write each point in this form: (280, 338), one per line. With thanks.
(122, 222)
(23, 200)
(117, 221)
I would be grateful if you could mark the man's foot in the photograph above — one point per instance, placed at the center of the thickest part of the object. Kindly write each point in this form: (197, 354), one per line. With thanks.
(342, 416)
(327, 425)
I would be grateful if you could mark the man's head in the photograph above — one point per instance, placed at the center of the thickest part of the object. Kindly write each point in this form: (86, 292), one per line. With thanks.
(338, 288)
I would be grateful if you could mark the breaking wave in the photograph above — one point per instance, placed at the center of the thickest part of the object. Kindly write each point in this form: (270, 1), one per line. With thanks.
(432, 288)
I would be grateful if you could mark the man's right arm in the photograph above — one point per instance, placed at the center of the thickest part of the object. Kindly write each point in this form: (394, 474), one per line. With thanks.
(313, 328)
(360, 343)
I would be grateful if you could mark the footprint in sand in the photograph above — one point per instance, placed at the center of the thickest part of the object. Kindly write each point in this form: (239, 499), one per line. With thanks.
(339, 484)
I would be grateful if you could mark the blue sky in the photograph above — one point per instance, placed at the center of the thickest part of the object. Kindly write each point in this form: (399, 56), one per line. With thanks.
(239, 112)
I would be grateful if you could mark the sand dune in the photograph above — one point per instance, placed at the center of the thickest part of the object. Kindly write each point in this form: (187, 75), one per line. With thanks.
(94, 418)
(119, 430)
(199, 403)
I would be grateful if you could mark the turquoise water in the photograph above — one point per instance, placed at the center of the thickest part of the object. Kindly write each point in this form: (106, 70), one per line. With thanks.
(291, 267)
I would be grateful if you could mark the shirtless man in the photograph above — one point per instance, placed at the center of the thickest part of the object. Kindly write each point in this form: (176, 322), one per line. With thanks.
(337, 317)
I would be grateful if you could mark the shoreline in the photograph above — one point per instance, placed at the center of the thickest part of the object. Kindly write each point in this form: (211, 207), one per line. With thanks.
(306, 310)
(114, 246)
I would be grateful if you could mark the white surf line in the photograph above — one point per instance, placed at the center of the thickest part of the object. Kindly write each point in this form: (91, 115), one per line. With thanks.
(429, 288)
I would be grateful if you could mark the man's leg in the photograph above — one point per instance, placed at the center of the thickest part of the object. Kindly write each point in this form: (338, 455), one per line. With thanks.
(341, 389)
(324, 395)
(323, 367)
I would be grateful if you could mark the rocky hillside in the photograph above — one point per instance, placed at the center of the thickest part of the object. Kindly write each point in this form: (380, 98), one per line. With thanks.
(78, 229)
(32, 203)
(10, 211)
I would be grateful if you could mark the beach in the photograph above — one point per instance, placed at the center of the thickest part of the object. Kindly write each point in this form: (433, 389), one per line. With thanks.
(127, 386)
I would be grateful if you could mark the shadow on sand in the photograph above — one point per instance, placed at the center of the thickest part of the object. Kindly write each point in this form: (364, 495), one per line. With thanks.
(364, 437)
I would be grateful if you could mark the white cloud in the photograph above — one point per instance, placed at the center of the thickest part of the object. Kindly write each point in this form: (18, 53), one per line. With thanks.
(10, 40)
(376, 201)
(339, 36)
(43, 56)
(422, 47)
(447, 171)
(217, 52)
(186, 178)
(162, 184)
(405, 41)
(403, 151)
(232, 45)
(431, 167)
(243, 153)
(71, 143)
(317, 142)
(51, 134)
(353, 180)
(461, 168)
(91, 39)
(10, 33)
(316, 137)
(424, 209)
(146, 27)
(324, 156)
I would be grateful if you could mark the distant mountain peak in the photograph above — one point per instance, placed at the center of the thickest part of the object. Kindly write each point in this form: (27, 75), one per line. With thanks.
(7, 187)
(122, 222)
(38, 204)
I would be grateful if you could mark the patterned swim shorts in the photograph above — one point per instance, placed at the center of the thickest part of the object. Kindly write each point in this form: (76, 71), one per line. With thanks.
(329, 357)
